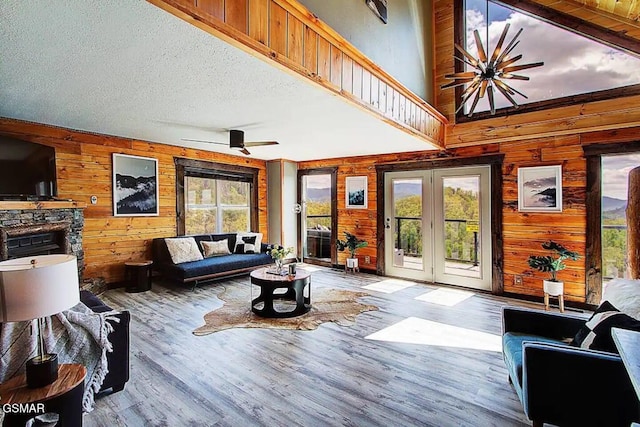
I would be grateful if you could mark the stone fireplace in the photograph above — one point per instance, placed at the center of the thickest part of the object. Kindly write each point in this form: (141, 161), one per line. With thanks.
(40, 228)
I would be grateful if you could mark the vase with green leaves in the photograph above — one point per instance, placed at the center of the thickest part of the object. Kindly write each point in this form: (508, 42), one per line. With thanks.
(552, 264)
(279, 253)
(351, 243)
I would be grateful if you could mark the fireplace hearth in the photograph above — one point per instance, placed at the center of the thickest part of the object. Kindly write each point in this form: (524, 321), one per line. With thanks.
(41, 231)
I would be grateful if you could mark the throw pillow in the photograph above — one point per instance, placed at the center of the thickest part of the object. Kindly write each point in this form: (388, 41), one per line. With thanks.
(221, 247)
(624, 294)
(249, 244)
(183, 249)
(241, 242)
(596, 333)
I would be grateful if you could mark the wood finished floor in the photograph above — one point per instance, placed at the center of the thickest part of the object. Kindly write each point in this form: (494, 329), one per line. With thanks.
(331, 376)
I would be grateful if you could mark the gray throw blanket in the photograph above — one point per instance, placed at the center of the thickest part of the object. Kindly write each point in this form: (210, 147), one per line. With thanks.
(77, 335)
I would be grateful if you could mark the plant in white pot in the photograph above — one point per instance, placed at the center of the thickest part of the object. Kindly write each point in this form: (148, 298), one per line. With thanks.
(552, 264)
(352, 244)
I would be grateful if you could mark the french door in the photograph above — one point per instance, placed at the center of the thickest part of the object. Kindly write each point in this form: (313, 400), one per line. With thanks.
(438, 226)
(317, 195)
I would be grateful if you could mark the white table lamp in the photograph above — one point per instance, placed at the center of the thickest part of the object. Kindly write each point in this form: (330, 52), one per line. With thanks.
(34, 288)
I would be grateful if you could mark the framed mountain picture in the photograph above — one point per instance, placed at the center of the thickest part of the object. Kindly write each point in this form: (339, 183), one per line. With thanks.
(135, 185)
(356, 192)
(540, 189)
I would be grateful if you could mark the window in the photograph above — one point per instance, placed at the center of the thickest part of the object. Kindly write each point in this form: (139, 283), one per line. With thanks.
(608, 167)
(215, 205)
(215, 198)
(573, 63)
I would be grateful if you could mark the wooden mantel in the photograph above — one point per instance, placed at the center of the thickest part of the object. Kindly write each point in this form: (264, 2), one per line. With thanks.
(54, 204)
(286, 34)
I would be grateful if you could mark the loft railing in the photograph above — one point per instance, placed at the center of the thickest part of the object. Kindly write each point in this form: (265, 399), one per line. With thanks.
(285, 32)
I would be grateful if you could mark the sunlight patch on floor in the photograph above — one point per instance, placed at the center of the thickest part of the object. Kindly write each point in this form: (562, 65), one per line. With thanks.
(445, 296)
(389, 286)
(308, 267)
(414, 330)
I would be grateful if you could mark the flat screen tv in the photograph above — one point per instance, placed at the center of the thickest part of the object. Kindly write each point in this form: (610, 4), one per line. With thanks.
(27, 170)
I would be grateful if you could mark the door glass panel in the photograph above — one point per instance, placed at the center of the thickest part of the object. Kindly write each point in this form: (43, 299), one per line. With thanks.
(407, 223)
(461, 225)
(316, 224)
(615, 184)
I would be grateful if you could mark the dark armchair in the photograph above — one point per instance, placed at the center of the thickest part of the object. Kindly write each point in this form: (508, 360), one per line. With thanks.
(561, 384)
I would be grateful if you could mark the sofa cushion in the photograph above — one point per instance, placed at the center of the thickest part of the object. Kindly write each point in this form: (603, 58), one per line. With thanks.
(248, 243)
(512, 348)
(216, 265)
(596, 332)
(218, 248)
(183, 249)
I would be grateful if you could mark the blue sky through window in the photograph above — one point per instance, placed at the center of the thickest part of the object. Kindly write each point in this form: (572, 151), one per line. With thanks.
(573, 64)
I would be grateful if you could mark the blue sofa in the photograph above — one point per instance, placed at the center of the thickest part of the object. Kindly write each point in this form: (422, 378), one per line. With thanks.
(207, 269)
(561, 384)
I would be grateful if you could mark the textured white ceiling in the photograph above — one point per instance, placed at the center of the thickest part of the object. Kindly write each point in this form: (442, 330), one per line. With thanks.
(127, 68)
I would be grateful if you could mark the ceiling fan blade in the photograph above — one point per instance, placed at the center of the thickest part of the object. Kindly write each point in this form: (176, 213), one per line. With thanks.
(245, 151)
(203, 140)
(498, 49)
(258, 143)
(481, 52)
(522, 67)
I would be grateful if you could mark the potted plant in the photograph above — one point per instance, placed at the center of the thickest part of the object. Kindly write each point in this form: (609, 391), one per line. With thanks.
(279, 253)
(352, 244)
(552, 264)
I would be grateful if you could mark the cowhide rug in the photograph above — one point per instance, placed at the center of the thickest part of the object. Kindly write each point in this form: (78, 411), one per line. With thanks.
(327, 305)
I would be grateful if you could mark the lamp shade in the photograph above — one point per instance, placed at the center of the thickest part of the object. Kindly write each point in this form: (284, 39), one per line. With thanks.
(37, 286)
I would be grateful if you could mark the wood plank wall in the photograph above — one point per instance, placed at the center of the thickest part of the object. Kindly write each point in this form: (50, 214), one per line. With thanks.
(83, 162)
(523, 232)
(284, 32)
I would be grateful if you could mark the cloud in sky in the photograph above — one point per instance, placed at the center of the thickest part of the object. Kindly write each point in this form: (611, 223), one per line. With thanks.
(573, 64)
(615, 172)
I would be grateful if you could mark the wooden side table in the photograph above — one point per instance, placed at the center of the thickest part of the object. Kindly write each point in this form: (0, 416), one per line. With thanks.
(138, 275)
(63, 397)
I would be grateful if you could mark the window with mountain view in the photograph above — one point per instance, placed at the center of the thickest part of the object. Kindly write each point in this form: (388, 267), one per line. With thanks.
(573, 64)
(615, 173)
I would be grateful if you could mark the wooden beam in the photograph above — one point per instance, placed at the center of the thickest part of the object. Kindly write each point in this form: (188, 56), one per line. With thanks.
(603, 35)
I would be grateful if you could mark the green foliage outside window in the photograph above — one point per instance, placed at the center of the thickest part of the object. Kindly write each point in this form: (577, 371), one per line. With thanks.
(216, 206)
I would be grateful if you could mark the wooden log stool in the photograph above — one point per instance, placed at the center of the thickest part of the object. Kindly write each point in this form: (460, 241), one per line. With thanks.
(138, 275)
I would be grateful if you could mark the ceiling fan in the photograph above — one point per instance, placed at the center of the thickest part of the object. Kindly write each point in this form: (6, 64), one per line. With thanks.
(236, 141)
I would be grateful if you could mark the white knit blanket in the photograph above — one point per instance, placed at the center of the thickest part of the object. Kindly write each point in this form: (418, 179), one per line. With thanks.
(77, 335)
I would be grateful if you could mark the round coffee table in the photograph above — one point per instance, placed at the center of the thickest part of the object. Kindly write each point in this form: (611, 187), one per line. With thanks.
(294, 291)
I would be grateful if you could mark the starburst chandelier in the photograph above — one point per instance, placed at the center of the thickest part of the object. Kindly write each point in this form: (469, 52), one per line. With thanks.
(489, 73)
